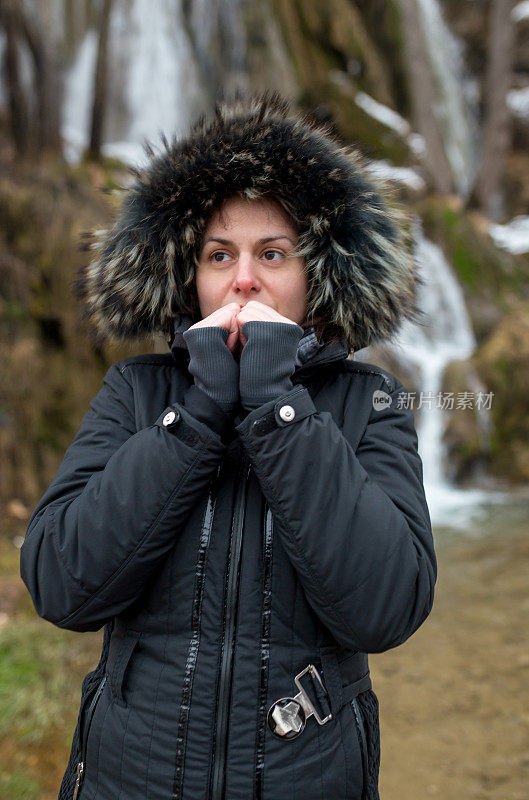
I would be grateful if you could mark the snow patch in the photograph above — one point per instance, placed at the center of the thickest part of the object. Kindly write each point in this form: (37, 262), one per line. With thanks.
(513, 236)
(405, 175)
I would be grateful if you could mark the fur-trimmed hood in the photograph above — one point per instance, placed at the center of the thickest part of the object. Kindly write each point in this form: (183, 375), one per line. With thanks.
(355, 243)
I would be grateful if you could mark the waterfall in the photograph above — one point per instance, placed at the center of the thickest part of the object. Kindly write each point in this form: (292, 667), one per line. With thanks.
(163, 70)
(456, 109)
(218, 31)
(78, 98)
(424, 351)
(154, 84)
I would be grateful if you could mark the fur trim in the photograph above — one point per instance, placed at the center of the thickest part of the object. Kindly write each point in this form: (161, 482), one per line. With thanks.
(361, 273)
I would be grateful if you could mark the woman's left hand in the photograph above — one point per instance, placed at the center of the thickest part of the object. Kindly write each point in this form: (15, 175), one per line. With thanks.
(254, 310)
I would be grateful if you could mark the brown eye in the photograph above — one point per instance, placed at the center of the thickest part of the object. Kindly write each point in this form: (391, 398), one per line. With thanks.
(218, 253)
(277, 252)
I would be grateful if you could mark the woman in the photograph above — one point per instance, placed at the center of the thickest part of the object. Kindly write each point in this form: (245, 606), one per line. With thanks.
(244, 515)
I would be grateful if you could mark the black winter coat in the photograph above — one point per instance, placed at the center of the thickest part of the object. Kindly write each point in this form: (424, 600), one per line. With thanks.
(223, 560)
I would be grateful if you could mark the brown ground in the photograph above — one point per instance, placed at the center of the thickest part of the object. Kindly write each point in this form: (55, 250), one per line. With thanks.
(454, 698)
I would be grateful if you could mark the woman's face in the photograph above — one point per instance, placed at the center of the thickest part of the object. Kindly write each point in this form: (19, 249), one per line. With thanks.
(245, 256)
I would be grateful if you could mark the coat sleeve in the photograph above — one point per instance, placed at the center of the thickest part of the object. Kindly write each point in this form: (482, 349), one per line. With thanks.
(354, 523)
(114, 507)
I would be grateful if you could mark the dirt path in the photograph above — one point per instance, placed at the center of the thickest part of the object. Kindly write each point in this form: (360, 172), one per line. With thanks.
(454, 698)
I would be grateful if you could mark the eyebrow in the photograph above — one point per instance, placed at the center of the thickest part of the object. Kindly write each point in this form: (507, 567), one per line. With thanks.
(259, 241)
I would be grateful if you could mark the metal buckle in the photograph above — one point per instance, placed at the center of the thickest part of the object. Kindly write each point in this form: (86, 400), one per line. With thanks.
(288, 716)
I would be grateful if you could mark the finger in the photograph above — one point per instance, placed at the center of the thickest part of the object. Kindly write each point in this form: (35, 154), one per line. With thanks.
(260, 312)
(233, 331)
(222, 317)
(232, 341)
(254, 313)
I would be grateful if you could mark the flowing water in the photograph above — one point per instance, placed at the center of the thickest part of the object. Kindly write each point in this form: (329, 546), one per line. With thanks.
(424, 352)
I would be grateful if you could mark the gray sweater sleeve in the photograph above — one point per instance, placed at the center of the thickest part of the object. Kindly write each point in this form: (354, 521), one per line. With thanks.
(267, 360)
(213, 366)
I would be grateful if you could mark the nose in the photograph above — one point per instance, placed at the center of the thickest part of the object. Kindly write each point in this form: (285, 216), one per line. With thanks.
(246, 277)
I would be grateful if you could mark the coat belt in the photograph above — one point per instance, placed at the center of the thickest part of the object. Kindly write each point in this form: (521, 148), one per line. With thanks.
(319, 696)
(345, 679)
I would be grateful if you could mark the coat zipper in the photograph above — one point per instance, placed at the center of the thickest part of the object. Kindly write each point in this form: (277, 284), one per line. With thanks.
(264, 652)
(196, 610)
(221, 728)
(363, 744)
(81, 766)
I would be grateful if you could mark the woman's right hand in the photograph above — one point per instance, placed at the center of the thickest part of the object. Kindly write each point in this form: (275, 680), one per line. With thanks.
(224, 317)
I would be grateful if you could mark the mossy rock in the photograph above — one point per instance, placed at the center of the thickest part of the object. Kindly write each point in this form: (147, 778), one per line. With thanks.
(49, 370)
(490, 277)
(503, 364)
(374, 139)
(334, 56)
(330, 34)
(467, 431)
(480, 265)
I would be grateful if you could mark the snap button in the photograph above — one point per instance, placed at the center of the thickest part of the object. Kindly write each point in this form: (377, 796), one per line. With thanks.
(170, 417)
(287, 413)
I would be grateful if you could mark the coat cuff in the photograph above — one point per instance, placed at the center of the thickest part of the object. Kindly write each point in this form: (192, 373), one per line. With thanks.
(200, 413)
(288, 409)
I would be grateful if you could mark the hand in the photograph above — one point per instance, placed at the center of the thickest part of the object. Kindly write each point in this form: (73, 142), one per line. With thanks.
(224, 317)
(254, 310)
